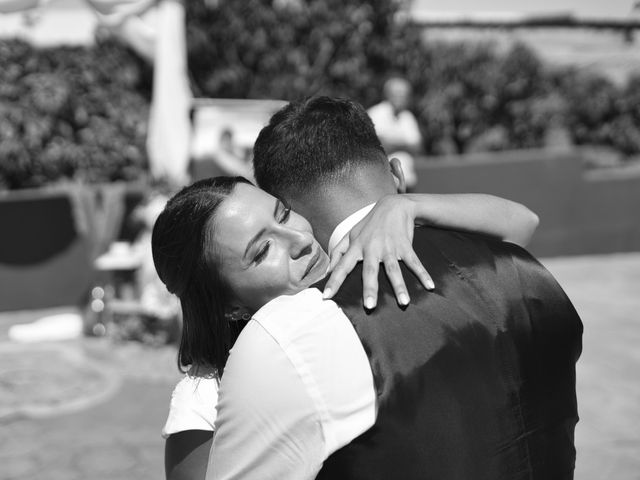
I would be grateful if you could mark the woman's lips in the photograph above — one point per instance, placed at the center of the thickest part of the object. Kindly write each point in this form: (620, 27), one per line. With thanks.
(312, 263)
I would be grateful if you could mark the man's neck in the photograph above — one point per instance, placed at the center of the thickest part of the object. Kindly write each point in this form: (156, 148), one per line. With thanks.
(324, 220)
(325, 210)
(345, 227)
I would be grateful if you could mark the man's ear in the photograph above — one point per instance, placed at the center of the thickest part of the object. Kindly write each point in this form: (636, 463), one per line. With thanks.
(398, 175)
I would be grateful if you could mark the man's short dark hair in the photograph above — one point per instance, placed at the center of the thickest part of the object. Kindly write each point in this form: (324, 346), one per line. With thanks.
(314, 142)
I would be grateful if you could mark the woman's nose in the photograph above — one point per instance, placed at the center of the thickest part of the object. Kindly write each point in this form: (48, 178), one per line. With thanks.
(300, 243)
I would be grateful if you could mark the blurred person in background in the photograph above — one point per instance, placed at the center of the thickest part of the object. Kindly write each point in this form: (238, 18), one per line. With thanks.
(397, 127)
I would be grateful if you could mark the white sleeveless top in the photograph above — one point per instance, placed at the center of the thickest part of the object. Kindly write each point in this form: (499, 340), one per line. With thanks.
(193, 405)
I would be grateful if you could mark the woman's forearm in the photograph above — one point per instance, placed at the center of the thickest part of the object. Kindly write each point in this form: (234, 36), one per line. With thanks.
(385, 235)
(474, 212)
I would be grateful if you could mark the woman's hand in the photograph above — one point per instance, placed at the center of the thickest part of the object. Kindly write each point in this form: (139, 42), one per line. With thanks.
(386, 233)
(384, 236)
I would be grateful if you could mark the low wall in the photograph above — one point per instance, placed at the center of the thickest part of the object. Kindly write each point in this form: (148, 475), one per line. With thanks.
(51, 237)
(44, 251)
(581, 212)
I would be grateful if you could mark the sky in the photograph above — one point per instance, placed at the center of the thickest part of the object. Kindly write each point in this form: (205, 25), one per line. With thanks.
(580, 8)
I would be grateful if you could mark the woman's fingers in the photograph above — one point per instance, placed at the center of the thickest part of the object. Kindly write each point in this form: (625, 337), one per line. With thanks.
(370, 270)
(394, 274)
(348, 253)
(339, 250)
(414, 264)
(343, 267)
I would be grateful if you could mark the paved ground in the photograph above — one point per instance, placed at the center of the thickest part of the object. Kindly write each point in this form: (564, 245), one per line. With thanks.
(100, 415)
(96, 414)
(606, 293)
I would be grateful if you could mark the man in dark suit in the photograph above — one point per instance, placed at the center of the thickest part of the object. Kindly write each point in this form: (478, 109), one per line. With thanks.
(475, 380)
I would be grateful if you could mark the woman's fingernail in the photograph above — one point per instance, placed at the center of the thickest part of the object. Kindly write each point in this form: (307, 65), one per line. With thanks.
(369, 303)
(403, 299)
(327, 293)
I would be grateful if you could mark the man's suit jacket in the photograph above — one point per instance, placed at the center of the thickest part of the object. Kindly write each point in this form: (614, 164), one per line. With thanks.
(475, 380)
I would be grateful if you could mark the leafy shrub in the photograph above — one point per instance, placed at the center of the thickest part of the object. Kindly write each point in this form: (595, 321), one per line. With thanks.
(598, 112)
(288, 49)
(71, 113)
(81, 113)
(460, 94)
(467, 96)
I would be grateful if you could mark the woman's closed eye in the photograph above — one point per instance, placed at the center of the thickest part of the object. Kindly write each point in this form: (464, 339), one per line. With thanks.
(262, 253)
(282, 217)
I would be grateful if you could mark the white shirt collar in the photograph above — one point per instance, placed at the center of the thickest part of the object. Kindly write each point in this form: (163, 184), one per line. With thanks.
(345, 226)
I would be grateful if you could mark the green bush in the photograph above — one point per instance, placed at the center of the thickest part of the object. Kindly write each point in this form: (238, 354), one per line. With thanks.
(74, 113)
(81, 113)
(288, 49)
(599, 112)
(467, 96)
(459, 95)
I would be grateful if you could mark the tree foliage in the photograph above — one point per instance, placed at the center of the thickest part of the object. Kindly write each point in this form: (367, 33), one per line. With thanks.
(468, 96)
(81, 113)
(599, 112)
(288, 49)
(71, 113)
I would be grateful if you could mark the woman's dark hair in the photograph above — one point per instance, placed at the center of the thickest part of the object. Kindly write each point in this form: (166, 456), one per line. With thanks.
(183, 257)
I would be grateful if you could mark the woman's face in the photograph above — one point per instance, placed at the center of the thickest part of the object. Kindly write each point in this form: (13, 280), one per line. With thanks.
(264, 249)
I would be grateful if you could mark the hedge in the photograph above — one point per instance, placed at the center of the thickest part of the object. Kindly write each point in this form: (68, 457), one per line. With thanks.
(468, 96)
(74, 113)
(80, 112)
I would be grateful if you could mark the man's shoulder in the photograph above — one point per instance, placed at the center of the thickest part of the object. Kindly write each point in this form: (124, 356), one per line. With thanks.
(468, 249)
(443, 253)
(427, 238)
